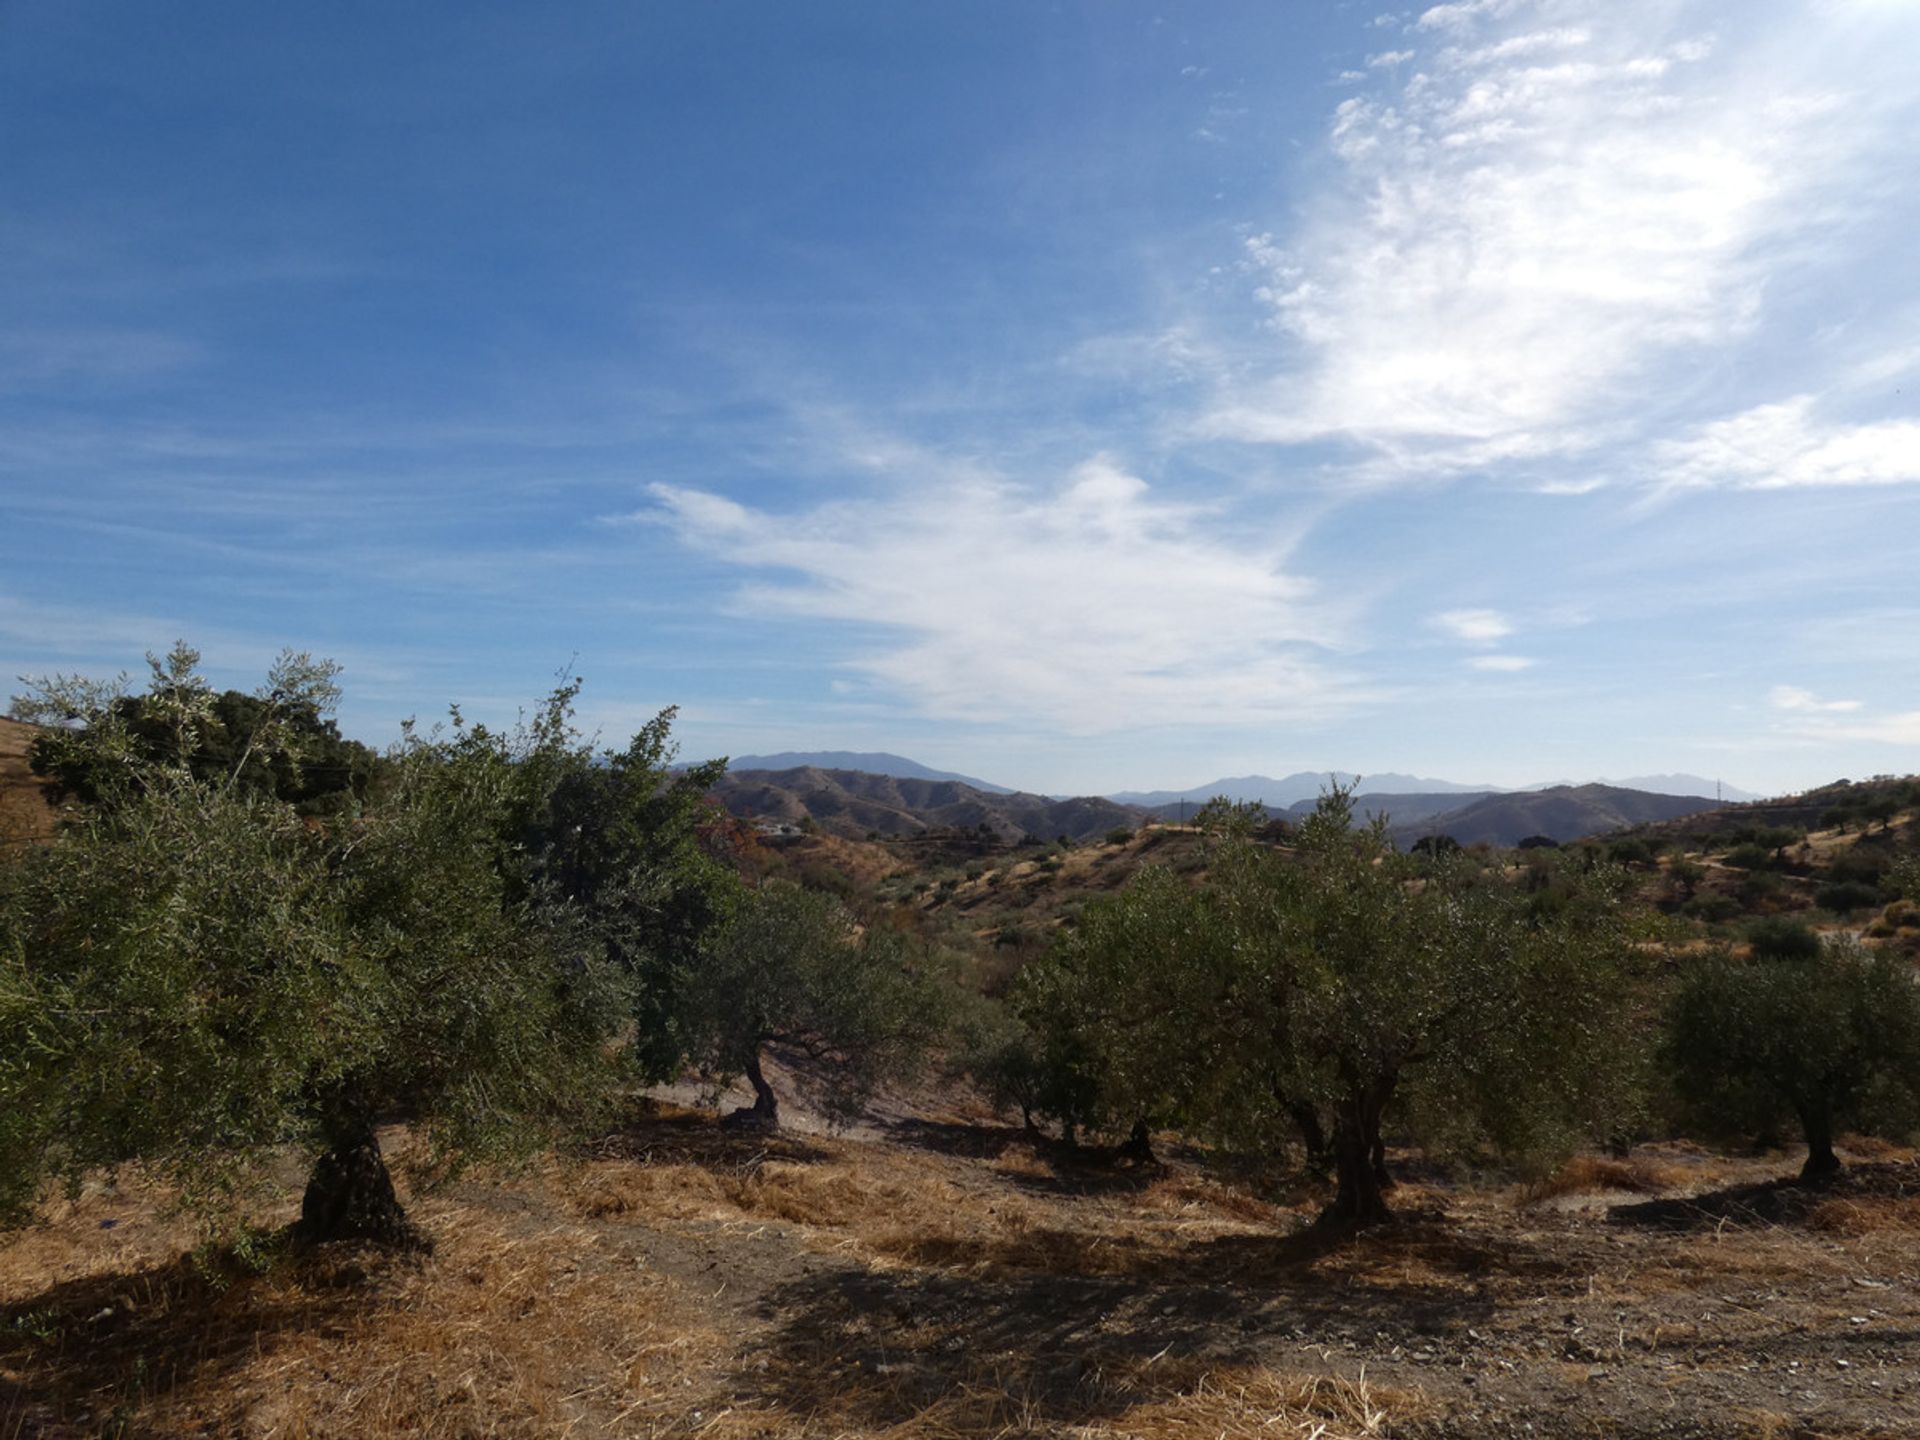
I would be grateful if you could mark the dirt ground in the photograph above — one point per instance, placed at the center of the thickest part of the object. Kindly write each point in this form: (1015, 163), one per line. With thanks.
(945, 1277)
(26, 815)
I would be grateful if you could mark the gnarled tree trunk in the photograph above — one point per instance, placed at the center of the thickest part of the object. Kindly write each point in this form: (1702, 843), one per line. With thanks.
(350, 1194)
(1822, 1163)
(764, 1113)
(1313, 1136)
(1359, 1156)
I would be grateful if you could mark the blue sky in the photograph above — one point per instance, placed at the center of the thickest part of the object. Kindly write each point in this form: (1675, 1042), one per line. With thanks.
(1085, 396)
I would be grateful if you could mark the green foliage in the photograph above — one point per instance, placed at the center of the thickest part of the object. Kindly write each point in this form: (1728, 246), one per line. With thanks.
(1099, 1006)
(1119, 835)
(1330, 987)
(1832, 1039)
(104, 746)
(193, 974)
(790, 966)
(1904, 876)
(1225, 817)
(1847, 896)
(1778, 939)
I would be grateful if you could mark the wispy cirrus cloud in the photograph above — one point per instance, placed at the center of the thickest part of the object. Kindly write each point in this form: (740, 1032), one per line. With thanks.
(1543, 212)
(1809, 718)
(1091, 605)
(1795, 698)
(1788, 444)
(1475, 627)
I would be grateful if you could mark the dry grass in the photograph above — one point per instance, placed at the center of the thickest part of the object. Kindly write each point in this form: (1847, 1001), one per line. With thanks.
(507, 1330)
(1877, 1215)
(1155, 1399)
(1589, 1174)
(685, 1280)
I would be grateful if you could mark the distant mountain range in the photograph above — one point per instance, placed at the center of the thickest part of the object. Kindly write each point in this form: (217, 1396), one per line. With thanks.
(856, 804)
(1680, 785)
(874, 762)
(1278, 794)
(1288, 791)
(1567, 812)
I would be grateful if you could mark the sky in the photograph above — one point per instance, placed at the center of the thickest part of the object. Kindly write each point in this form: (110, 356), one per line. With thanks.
(1085, 396)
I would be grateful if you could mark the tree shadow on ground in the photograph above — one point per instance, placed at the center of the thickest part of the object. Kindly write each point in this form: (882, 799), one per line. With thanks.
(84, 1356)
(992, 1348)
(1069, 1170)
(672, 1136)
(1786, 1201)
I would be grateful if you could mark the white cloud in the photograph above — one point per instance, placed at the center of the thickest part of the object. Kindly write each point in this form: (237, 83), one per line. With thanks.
(1517, 46)
(1792, 697)
(1503, 663)
(1465, 13)
(1089, 607)
(1784, 445)
(1476, 627)
(1525, 236)
(1387, 58)
(1833, 722)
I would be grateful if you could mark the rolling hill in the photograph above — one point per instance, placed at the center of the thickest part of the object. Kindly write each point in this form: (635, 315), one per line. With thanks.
(1567, 812)
(855, 803)
(870, 762)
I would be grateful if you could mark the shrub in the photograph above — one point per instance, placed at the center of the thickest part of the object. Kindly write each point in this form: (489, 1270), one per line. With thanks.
(1782, 940)
(1119, 835)
(1712, 908)
(1847, 897)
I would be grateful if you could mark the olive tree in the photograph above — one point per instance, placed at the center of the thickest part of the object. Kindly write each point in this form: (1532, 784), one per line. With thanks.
(1830, 1036)
(1342, 987)
(791, 967)
(1107, 1013)
(193, 975)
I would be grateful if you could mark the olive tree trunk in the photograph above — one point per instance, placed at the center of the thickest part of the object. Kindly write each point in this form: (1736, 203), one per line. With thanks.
(1359, 1157)
(764, 1113)
(350, 1195)
(1822, 1163)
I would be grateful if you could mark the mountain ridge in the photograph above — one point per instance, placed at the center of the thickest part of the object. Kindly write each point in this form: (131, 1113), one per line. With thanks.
(866, 762)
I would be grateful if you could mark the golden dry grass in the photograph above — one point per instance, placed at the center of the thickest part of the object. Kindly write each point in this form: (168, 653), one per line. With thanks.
(508, 1329)
(686, 1280)
(1585, 1174)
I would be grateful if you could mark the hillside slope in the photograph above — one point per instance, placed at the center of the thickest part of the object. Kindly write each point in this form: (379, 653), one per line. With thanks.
(855, 803)
(1563, 813)
(869, 762)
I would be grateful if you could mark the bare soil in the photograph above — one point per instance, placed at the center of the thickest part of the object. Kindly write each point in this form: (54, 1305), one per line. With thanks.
(26, 813)
(942, 1276)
